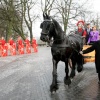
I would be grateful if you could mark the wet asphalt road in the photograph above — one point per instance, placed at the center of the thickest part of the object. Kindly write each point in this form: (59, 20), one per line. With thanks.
(28, 77)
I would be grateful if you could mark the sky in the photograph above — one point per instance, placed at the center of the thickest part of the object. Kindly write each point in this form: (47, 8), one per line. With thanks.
(94, 5)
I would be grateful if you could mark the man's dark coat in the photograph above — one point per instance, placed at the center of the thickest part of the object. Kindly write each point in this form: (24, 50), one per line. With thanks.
(96, 47)
(87, 35)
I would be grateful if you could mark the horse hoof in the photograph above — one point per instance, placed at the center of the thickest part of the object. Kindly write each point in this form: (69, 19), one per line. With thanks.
(79, 69)
(72, 75)
(53, 88)
(67, 81)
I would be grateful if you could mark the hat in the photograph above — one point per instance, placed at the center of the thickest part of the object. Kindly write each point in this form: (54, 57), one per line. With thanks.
(80, 22)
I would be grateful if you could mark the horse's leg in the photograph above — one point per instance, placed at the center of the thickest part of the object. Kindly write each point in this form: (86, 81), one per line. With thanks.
(79, 63)
(67, 79)
(54, 85)
(72, 74)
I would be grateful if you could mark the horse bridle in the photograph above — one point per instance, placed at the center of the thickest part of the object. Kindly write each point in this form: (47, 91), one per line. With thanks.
(43, 33)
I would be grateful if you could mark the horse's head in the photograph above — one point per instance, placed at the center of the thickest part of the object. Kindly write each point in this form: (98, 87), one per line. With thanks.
(46, 27)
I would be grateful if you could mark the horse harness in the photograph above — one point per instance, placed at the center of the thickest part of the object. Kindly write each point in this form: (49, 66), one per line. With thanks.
(79, 33)
(71, 43)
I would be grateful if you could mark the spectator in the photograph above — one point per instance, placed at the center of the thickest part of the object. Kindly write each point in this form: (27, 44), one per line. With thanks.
(88, 30)
(93, 36)
(81, 30)
(96, 47)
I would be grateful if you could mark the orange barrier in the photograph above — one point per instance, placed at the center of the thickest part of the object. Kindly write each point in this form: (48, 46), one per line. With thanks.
(4, 51)
(89, 57)
(13, 49)
(21, 49)
(35, 47)
(0, 49)
(28, 48)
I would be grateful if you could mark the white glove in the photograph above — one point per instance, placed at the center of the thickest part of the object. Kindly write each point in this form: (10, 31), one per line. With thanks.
(81, 52)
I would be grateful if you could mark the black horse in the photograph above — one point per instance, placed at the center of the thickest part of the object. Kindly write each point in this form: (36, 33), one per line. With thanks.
(63, 48)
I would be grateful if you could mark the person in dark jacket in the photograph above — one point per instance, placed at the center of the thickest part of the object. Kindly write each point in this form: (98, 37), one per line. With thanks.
(88, 30)
(96, 47)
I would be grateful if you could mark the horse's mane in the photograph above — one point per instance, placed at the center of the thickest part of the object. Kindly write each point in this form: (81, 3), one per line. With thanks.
(58, 27)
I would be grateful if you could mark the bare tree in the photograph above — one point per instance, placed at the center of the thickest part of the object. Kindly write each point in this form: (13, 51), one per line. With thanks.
(11, 17)
(47, 6)
(95, 20)
(69, 11)
(17, 16)
(65, 11)
(26, 6)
